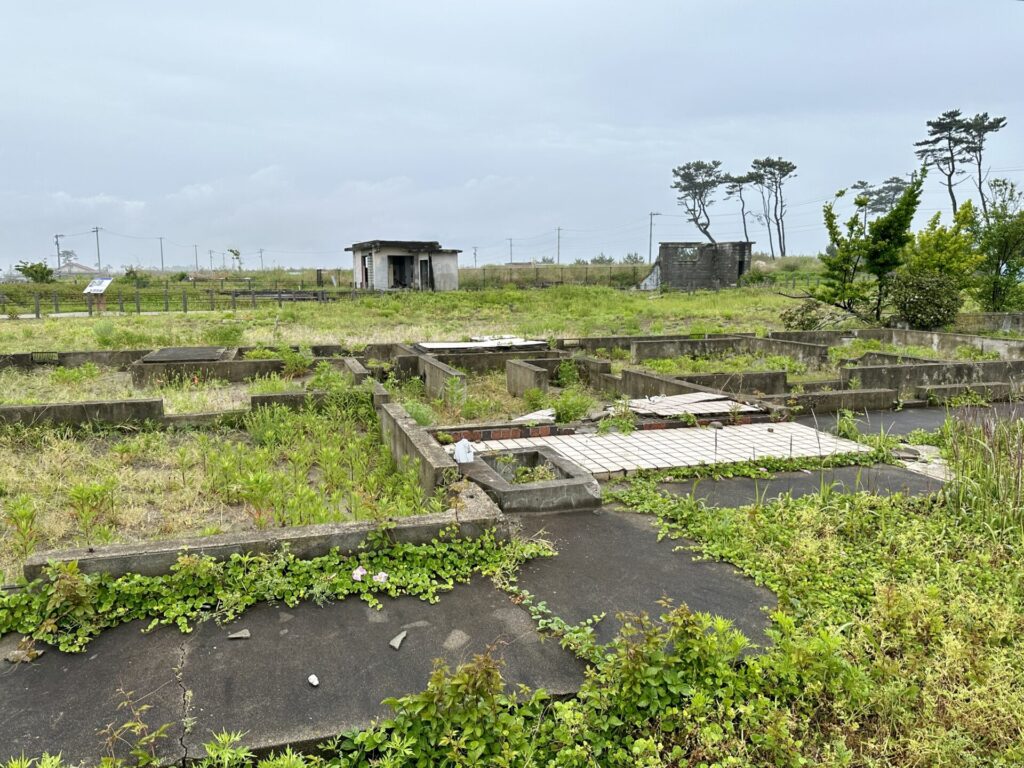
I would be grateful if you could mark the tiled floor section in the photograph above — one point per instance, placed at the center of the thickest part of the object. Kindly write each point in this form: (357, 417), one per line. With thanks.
(610, 454)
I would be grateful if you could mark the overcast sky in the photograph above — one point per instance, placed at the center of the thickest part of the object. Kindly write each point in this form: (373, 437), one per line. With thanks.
(301, 128)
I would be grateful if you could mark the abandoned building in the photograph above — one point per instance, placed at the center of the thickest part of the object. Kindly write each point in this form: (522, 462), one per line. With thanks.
(389, 265)
(698, 266)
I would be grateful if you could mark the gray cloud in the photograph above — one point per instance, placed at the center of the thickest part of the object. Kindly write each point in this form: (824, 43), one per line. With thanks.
(300, 129)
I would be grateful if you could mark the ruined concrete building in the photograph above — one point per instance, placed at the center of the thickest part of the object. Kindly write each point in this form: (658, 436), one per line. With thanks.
(389, 265)
(698, 266)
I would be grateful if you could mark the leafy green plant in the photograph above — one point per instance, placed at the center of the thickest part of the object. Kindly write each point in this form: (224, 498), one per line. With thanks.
(622, 419)
(567, 374)
(537, 474)
(572, 405)
(89, 502)
(421, 413)
(68, 608)
(296, 363)
(535, 399)
(19, 513)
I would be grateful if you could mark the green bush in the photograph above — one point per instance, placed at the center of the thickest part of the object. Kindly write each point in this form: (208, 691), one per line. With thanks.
(421, 413)
(572, 405)
(925, 299)
(757, 277)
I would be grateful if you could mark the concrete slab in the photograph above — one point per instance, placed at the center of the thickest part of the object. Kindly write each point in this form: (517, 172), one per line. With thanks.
(611, 561)
(62, 702)
(259, 685)
(906, 421)
(741, 491)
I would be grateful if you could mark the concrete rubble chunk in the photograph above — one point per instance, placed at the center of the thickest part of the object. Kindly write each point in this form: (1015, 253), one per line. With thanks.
(396, 641)
(313, 680)
(242, 634)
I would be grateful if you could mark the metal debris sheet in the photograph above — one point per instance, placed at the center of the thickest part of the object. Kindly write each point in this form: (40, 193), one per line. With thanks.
(696, 403)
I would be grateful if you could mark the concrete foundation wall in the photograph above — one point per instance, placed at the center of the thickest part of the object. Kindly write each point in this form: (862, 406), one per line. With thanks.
(487, 362)
(763, 382)
(907, 378)
(222, 370)
(439, 378)
(119, 359)
(410, 442)
(521, 376)
(652, 349)
(105, 412)
(830, 402)
(475, 514)
(973, 322)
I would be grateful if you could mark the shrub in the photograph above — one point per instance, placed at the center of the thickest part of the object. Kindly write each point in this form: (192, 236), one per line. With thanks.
(572, 405)
(925, 299)
(567, 375)
(757, 277)
(421, 413)
(809, 315)
(535, 399)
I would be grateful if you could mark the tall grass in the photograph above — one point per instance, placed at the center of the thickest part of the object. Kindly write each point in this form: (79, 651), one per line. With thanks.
(986, 466)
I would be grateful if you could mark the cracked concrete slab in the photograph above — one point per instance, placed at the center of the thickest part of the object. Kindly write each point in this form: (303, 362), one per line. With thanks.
(62, 702)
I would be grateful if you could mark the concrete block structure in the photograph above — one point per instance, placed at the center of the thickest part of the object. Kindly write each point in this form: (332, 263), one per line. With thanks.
(389, 265)
(698, 266)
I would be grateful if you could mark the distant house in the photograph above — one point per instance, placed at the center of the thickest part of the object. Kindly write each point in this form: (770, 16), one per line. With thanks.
(388, 265)
(74, 269)
(698, 266)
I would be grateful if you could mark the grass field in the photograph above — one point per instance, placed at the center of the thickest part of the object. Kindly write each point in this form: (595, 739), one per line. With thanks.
(63, 487)
(539, 313)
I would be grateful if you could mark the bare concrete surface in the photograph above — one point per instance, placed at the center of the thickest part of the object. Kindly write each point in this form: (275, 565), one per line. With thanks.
(260, 685)
(62, 702)
(740, 491)
(611, 561)
(903, 422)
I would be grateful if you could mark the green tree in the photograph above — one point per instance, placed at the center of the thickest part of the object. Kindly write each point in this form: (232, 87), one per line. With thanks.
(947, 250)
(945, 149)
(633, 258)
(1001, 247)
(37, 272)
(602, 259)
(861, 260)
(697, 183)
(976, 132)
(770, 175)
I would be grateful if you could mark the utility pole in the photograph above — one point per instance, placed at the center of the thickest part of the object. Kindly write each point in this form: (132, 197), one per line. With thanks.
(161, 254)
(650, 236)
(558, 247)
(261, 259)
(211, 260)
(223, 260)
(195, 248)
(99, 261)
(474, 257)
(56, 239)
(510, 251)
